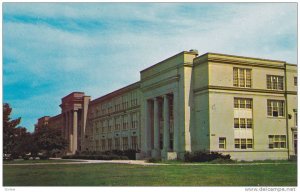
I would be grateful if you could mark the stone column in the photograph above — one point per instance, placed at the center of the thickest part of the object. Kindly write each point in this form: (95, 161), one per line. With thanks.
(156, 128)
(70, 132)
(147, 127)
(166, 124)
(75, 131)
(175, 122)
(66, 126)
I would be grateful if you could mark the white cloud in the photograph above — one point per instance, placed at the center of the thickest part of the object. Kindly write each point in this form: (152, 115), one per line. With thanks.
(98, 48)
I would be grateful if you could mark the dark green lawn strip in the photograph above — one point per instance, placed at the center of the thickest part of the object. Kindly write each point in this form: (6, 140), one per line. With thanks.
(137, 175)
(37, 161)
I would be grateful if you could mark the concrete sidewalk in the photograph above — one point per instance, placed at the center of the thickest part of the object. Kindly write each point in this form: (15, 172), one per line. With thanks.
(140, 162)
(84, 161)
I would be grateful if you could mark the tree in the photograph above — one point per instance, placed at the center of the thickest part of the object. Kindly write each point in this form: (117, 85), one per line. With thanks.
(9, 130)
(50, 140)
(25, 143)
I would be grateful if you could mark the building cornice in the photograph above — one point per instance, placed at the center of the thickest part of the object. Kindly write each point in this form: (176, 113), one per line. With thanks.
(172, 57)
(115, 93)
(185, 64)
(161, 83)
(237, 60)
(224, 88)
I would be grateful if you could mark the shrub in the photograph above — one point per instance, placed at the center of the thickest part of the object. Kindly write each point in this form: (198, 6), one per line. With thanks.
(153, 160)
(204, 156)
(130, 153)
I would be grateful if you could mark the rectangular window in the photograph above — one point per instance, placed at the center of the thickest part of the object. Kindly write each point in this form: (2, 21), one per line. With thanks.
(249, 123)
(109, 144)
(277, 141)
(295, 81)
(275, 108)
(241, 77)
(242, 103)
(236, 123)
(243, 143)
(243, 123)
(103, 144)
(125, 143)
(222, 142)
(117, 143)
(274, 82)
(134, 144)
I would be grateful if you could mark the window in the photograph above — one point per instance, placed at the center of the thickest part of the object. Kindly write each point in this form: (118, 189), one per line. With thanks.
(242, 103)
(222, 142)
(244, 143)
(274, 82)
(275, 108)
(125, 143)
(134, 121)
(277, 141)
(243, 123)
(134, 144)
(117, 143)
(241, 77)
(103, 144)
(295, 81)
(109, 144)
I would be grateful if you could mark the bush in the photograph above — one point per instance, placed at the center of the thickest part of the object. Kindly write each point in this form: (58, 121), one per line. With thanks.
(130, 153)
(153, 160)
(204, 156)
(96, 157)
(43, 157)
(106, 155)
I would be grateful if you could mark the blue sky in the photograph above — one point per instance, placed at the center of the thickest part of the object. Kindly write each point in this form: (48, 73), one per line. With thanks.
(52, 49)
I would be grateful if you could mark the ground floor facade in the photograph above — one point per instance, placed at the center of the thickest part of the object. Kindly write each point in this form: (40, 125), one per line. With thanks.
(242, 106)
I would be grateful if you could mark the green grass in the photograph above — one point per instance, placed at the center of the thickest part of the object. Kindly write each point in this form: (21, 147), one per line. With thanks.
(159, 175)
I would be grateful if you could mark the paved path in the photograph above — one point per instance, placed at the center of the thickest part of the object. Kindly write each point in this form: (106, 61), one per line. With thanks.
(138, 162)
(83, 161)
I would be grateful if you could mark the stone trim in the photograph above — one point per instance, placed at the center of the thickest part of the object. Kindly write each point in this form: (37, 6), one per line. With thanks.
(244, 90)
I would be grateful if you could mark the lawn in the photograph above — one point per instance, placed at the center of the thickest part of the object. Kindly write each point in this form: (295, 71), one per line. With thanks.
(21, 161)
(159, 175)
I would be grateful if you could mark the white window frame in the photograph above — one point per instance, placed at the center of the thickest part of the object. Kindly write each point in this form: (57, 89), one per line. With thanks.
(242, 77)
(273, 108)
(222, 142)
(275, 82)
(276, 141)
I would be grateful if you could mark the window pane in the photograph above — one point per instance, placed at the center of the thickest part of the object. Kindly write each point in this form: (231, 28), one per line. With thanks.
(280, 108)
(222, 143)
(236, 103)
(248, 78)
(280, 83)
(235, 77)
(269, 82)
(237, 143)
(269, 106)
(249, 123)
(243, 143)
(242, 123)
(242, 77)
(248, 103)
(242, 103)
(236, 123)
